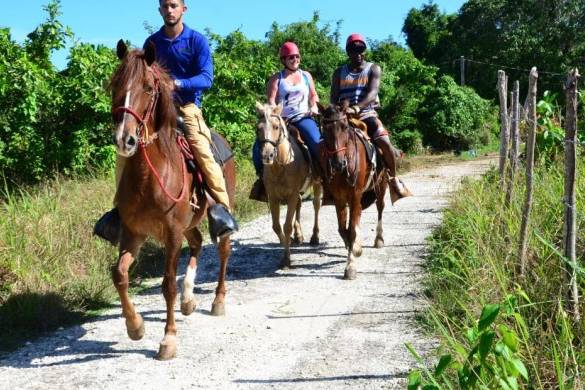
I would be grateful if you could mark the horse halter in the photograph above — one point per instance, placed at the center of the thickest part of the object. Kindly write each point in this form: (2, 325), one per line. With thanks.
(350, 177)
(281, 135)
(148, 113)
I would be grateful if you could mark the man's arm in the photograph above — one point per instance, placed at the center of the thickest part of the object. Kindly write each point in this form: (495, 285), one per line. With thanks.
(373, 86)
(203, 61)
(334, 96)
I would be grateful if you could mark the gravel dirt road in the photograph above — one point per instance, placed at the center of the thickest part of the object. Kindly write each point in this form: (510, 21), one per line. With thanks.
(302, 328)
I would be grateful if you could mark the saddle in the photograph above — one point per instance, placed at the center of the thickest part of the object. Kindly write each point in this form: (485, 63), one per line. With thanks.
(219, 148)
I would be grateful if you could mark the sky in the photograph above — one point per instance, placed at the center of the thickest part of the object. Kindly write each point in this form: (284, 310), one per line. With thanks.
(106, 21)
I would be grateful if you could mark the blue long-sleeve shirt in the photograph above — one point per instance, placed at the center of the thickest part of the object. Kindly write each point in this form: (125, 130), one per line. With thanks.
(188, 59)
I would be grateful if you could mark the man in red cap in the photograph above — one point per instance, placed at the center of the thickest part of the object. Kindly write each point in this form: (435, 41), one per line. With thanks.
(359, 83)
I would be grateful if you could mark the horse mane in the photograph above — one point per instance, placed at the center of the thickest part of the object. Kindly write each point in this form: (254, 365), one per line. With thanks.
(134, 66)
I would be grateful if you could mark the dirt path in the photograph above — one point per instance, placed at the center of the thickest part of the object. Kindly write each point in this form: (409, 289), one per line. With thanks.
(301, 328)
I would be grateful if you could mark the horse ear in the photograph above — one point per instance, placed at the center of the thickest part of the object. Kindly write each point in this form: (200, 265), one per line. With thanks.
(344, 105)
(121, 49)
(278, 109)
(150, 53)
(259, 108)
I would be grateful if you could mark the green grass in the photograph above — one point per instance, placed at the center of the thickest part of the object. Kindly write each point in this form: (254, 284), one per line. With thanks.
(473, 262)
(53, 272)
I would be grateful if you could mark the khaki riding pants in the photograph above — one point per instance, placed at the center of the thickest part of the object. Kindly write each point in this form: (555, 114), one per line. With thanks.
(199, 137)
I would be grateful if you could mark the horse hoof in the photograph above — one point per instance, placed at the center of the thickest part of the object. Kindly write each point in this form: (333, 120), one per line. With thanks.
(314, 241)
(298, 240)
(188, 307)
(138, 332)
(167, 349)
(350, 274)
(379, 243)
(217, 309)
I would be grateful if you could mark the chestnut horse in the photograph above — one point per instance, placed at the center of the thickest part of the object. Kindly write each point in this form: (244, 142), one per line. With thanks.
(286, 174)
(155, 189)
(348, 174)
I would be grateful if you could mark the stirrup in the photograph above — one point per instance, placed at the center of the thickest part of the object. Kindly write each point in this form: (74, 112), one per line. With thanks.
(398, 189)
(258, 191)
(109, 227)
(221, 222)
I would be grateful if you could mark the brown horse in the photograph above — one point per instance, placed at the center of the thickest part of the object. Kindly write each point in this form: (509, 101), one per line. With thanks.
(155, 190)
(286, 174)
(348, 175)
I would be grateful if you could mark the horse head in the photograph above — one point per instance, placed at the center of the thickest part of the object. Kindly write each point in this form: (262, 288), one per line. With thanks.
(141, 99)
(336, 135)
(271, 131)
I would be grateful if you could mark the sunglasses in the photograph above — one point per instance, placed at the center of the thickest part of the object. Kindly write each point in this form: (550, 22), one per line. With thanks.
(356, 49)
(293, 57)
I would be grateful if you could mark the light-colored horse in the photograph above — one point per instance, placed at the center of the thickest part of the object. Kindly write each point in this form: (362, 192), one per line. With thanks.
(286, 175)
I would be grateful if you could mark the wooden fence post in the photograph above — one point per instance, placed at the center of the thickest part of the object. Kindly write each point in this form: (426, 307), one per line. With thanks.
(515, 121)
(529, 170)
(570, 229)
(504, 128)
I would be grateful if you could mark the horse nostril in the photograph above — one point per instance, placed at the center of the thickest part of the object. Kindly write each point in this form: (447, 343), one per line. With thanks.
(271, 155)
(131, 141)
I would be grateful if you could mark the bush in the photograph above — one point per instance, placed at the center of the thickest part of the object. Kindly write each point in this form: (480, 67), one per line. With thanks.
(455, 117)
(409, 141)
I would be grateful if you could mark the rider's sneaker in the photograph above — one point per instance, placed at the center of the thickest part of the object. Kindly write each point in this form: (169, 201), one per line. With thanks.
(258, 191)
(221, 222)
(108, 227)
(398, 190)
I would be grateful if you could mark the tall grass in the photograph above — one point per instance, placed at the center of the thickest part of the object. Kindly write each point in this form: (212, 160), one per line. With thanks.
(473, 262)
(52, 270)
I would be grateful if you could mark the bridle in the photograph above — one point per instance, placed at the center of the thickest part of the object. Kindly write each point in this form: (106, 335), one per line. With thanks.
(329, 153)
(148, 113)
(143, 142)
(282, 135)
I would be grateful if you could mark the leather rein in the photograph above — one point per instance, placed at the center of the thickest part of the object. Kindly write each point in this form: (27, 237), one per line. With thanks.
(145, 139)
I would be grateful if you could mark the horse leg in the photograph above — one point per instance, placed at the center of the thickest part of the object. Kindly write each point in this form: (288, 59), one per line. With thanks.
(188, 300)
(355, 249)
(380, 193)
(297, 231)
(316, 206)
(168, 346)
(288, 228)
(275, 213)
(342, 223)
(129, 247)
(225, 249)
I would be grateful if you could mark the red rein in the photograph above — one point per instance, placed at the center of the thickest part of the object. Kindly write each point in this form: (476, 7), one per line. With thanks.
(148, 115)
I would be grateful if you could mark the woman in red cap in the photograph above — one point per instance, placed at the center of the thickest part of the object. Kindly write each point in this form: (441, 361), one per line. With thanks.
(359, 82)
(295, 90)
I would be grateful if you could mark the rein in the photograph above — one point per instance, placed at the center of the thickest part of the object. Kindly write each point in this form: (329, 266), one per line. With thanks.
(144, 142)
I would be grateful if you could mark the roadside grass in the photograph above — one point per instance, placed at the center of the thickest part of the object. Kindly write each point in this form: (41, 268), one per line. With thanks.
(472, 263)
(53, 272)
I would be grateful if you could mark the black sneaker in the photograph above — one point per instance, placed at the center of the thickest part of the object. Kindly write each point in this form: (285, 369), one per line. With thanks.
(221, 222)
(109, 227)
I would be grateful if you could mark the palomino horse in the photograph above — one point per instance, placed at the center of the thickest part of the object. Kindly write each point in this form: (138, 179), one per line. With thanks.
(286, 174)
(154, 192)
(348, 174)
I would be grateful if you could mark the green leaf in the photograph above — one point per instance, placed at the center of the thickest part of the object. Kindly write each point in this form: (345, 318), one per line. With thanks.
(485, 344)
(519, 366)
(488, 316)
(443, 364)
(509, 337)
(414, 380)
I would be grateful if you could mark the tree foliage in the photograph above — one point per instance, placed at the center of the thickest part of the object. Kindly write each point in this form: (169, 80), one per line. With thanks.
(548, 34)
(60, 122)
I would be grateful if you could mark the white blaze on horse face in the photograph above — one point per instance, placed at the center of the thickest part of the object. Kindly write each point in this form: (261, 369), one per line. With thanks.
(120, 131)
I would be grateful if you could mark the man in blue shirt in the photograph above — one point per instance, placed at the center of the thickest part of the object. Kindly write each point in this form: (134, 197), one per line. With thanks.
(185, 53)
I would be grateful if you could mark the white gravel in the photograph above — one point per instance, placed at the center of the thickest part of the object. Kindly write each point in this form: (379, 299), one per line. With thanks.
(301, 328)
